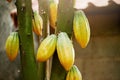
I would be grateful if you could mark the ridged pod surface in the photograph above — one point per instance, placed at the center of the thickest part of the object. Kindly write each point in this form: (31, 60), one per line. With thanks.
(46, 48)
(74, 74)
(65, 51)
(81, 28)
(37, 23)
(53, 12)
(12, 46)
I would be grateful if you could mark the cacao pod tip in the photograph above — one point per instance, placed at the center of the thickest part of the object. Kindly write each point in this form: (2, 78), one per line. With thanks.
(83, 45)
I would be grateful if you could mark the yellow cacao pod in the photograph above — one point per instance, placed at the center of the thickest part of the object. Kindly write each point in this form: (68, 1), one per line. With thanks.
(37, 23)
(74, 74)
(46, 48)
(12, 46)
(53, 12)
(65, 51)
(81, 28)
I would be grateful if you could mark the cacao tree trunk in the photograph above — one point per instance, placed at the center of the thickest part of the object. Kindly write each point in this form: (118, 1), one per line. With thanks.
(64, 24)
(28, 62)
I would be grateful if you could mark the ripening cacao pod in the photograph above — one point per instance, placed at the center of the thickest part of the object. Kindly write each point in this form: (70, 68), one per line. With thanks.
(37, 23)
(65, 51)
(46, 48)
(53, 12)
(12, 46)
(81, 28)
(74, 74)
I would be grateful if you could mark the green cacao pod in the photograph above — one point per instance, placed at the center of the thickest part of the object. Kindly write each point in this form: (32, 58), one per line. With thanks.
(81, 28)
(46, 48)
(74, 74)
(65, 51)
(37, 23)
(53, 12)
(12, 46)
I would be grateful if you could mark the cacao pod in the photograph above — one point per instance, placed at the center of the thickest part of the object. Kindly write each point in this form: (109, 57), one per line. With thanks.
(12, 46)
(53, 12)
(74, 74)
(65, 51)
(46, 48)
(37, 23)
(81, 28)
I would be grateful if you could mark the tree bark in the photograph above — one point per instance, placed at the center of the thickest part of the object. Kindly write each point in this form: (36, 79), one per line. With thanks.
(28, 62)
